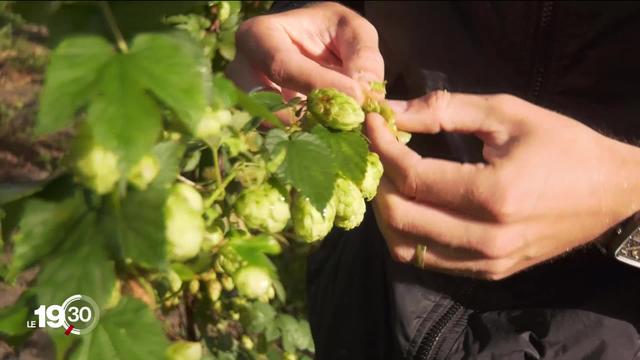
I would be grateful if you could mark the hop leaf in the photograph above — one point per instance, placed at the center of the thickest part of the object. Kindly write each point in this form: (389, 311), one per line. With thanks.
(263, 208)
(369, 185)
(334, 109)
(350, 206)
(310, 224)
(184, 222)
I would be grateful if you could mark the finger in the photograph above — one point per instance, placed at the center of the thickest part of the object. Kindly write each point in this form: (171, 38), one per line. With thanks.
(284, 64)
(450, 232)
(452, 112)
(357, 43)
(452, 185)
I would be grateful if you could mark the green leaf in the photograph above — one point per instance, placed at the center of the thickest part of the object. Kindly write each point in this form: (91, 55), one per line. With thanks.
(183, 271)
(15, 191)
(257, 109)
(13, 318)
(175, 70)
(225, 93)
(43, 225)
(70, 80)
(123, 118)
(349, 150)
(169, 154)
(257, 316)
(271, 331)
(127, 332)
(310, 168)
(139, 227)
(274, 139)
(269, 99)
(262, 243)
(295, 334)
(81, 265)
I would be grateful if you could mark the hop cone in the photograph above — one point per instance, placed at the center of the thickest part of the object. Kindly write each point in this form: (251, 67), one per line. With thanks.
(308, 223)
(143, 173)
(184, 223)
(350, 206)
(334, 109)
(97, 168)
(184, 350)
(263, 208)
(252, 282)
(369, 185)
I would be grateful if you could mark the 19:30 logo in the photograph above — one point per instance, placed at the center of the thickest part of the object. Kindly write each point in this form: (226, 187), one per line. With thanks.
(78, 315)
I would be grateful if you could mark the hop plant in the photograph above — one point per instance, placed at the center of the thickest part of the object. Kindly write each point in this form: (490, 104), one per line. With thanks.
(252, 282)
(184, 222)
(334, 109)
(350, 206)
(98, 169)
(369, 184)
(143, 173)
(309, 224)
(210, 126)
(184, 350)
(263, 208)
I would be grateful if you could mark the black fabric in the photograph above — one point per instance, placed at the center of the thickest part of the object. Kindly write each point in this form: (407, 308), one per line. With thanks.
(581, 59)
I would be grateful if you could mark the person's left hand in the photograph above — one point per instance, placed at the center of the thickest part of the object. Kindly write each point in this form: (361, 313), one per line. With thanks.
(549, 184)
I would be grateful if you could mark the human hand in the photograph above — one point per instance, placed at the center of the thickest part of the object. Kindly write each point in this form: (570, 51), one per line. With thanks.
(549, 184)
(294, 52)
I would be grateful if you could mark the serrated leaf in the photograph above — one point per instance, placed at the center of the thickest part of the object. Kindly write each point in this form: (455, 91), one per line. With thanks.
(123, 118)
(127, 332)
(257, 109)
(274, 139)
(257, 316)
(349, 150)
(70, 80)
(269, 99)
(44, 224)
(309, 167)
(139, 227)
(175, 70)
(81, 265)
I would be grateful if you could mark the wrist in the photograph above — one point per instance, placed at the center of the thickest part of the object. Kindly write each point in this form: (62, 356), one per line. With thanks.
(627, 179)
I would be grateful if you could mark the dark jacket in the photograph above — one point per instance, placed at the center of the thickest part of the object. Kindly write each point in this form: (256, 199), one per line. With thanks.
(580, 59)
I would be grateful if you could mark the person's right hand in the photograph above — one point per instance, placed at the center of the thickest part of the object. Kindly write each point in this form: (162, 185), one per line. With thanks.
(296, 51)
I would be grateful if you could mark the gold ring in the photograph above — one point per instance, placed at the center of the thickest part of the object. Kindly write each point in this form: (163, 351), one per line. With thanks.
(421, 252)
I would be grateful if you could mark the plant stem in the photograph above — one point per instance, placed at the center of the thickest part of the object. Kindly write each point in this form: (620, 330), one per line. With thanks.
(216, 165)
(111, 21)
(218, 191)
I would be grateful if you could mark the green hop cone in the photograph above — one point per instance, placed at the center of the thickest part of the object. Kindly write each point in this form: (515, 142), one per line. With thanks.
(350, 206)
(184, 350)
(210, 126)
(334, 109)
(97, 168)
(185, 228)
(369, 185)
(309, 224)
(252, 282)
(263, 208)
(143, 173)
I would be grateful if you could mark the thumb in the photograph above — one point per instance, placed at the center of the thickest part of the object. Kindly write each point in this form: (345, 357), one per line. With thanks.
(452, 112)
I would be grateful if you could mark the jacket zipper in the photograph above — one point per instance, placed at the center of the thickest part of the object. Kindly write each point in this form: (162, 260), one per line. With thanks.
(538, 74)
(430, 341)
